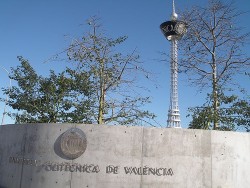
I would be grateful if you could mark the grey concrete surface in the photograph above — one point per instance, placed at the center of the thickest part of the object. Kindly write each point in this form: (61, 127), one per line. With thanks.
(124, 157)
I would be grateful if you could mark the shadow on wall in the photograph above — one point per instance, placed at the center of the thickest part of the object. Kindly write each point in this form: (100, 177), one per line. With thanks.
(58, 149)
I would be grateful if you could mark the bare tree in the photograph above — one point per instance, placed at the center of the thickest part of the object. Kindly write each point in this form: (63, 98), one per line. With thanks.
(113, 76)
(213, 48)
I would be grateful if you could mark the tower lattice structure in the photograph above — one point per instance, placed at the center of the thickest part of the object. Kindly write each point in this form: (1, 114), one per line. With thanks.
(174, 112)
(173, 31)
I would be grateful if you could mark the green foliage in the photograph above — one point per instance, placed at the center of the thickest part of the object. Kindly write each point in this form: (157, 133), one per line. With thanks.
(233, 114)
(101, 87)
(53, 99)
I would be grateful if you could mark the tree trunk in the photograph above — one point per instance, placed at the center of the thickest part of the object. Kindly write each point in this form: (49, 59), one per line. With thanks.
(101, 107)
(102, 95)
(215, 96)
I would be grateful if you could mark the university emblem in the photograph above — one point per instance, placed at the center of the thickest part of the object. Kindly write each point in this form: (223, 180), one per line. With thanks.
(73, 143)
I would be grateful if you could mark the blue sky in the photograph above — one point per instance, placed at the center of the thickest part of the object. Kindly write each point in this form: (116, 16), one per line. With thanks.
(37, 29)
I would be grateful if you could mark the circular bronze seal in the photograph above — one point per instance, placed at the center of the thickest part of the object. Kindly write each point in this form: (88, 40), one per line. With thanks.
(73, 143)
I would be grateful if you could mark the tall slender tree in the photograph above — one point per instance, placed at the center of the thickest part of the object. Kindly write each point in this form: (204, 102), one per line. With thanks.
(213, 48)
(114, 76)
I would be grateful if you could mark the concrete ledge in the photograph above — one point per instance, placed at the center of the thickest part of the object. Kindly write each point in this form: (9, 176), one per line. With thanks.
(123, 157)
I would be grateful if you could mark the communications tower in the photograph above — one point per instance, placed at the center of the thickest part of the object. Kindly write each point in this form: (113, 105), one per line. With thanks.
(173, 30)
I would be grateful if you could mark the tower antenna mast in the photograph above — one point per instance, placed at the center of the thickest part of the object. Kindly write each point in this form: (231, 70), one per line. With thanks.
(173, 10)
(173, 30)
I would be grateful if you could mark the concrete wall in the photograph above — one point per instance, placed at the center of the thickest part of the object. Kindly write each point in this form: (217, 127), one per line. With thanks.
(124, 157)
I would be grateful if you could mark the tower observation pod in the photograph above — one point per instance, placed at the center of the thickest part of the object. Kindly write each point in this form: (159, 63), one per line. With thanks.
(173, 30)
